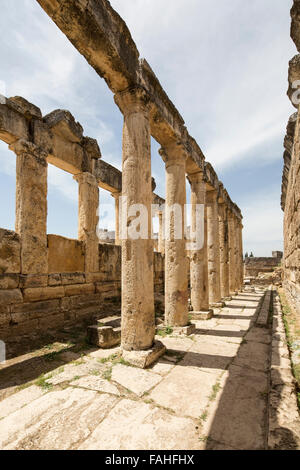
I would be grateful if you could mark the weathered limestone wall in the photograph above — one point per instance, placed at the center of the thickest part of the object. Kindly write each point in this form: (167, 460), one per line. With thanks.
(291, 206)
(290, 196)
(10, 252)
(36, 303)
(65, 255)
(256, 265)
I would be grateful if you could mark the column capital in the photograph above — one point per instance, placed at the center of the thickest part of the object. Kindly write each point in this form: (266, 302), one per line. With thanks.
(133, 100)
(87, 178)
(22, 146)
(174, 152)
(197, 177)
(116, 194)
(212, 195)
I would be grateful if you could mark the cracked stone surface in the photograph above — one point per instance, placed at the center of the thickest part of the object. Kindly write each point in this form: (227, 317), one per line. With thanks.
(209, 391)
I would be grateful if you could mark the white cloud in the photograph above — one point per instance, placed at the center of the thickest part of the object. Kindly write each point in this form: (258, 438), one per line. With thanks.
(223, 64)
(63, 182)
(7, 160)
(263, 223)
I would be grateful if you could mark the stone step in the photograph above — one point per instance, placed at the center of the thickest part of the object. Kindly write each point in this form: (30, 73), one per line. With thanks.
(107, 333)
(114, 321)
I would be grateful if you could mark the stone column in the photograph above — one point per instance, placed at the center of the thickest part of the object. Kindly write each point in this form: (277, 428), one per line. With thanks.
(232, 259)
(88, 217)
(176, 262)
(117, 196)
(31, 206)
(213, 249)
(241, 256)
(161, 233)
(198, 256)
(237, 254)
(224, 254)
(138, 318)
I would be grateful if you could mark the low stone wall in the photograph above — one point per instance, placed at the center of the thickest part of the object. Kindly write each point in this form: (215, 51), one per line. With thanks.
(65, 255)
(10, 252)
(36, 303)
(256, 265)
(291, 207)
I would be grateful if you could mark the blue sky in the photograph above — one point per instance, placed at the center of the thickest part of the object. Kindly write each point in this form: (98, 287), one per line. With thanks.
(224, 65)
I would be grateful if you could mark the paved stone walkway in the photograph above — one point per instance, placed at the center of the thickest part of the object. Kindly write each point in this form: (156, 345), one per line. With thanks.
(210, 391)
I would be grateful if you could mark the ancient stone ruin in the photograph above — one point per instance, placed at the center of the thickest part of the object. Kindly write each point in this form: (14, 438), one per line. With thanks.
(50, 281)
(290, 197)
(156, 342)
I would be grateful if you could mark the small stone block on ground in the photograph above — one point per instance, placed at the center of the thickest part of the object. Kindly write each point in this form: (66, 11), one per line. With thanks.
(204, 315)
(144, 359)
(104, 336)
(184, 330)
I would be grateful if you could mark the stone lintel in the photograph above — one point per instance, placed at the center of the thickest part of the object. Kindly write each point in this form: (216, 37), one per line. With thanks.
(24, 107)
(293, 76)
(144, 359)
(295, 25)
(62, 122)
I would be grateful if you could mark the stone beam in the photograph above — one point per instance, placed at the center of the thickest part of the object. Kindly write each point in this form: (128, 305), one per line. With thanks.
(295, 25)
(287, 156)
(101, 36)
(61, 137)
(108, 177)
(294, 75)
(14, 125)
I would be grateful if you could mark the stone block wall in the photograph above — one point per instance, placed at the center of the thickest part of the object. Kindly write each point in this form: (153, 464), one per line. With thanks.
(66, 295)
(255, 265)
(292, 224)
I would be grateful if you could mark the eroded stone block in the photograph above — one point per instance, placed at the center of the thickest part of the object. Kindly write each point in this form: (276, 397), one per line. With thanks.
(104, 336)
(10, 252)
(10, 296)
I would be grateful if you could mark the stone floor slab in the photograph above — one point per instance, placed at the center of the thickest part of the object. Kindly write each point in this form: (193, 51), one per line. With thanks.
(185, 390)
(19, 400)
(142, 427)
(138, 381)
(98, 384)
(59, 420)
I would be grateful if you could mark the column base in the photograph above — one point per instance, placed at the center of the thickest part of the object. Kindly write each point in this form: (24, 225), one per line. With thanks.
(144, 358)
(217, 305)
(227, 299)
(202, 315)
